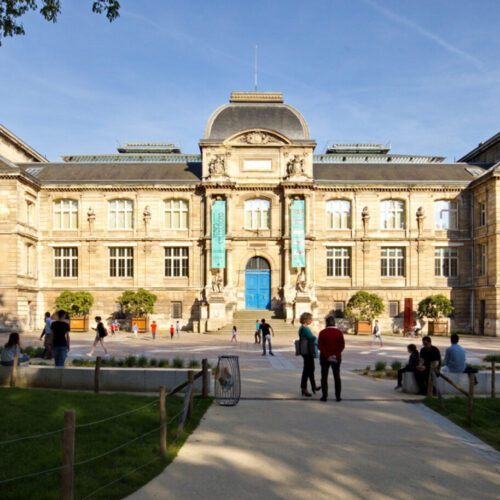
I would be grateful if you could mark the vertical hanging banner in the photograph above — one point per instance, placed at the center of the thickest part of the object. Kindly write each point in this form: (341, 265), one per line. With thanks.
(298, 233)
(219, 234)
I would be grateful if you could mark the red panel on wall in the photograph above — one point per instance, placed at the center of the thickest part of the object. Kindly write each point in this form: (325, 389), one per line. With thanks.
(408, 321)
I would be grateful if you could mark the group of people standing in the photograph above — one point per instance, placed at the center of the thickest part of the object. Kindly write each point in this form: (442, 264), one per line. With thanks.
(263, 331)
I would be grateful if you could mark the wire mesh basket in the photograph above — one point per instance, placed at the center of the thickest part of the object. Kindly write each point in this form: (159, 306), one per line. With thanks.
(227, 384)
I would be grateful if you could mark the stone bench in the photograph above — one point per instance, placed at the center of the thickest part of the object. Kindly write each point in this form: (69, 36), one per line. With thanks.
(483, 385)
(111, 379)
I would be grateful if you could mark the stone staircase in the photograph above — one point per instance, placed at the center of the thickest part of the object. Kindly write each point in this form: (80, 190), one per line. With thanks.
(245, 323)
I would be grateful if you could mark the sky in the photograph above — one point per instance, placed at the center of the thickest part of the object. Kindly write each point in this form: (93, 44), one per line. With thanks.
(422, 75)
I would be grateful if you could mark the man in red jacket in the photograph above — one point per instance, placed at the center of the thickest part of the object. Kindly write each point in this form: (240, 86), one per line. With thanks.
(331, 344)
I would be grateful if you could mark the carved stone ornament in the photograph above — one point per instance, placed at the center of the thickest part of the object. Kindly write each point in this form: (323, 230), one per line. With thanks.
(420, 220)
(301, 285)
(365, 218)
(295, 166)
(217, 283)
(91, 218)
(257, 138)
(217, 165)
(146, 217)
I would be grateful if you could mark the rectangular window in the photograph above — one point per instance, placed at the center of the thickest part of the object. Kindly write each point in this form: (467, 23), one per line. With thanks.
(29, 251)
(121, 262)
(338, 262)
(392, 214)
(481, 257)
(445, 214)
(482, 214)
(339, 307)
(392, 262)
(29, 213)
(121, 214)
(176, 262)
(176, 214)
(338, 214)
(65, 214)
(66, 262)
(394, 309)
(446, 262)
(176, 310)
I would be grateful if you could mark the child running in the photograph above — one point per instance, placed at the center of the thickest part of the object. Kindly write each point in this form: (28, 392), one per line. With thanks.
(235, 331)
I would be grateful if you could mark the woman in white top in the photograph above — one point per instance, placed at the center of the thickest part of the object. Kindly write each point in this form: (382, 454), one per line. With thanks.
(11, 348)
(235, 331)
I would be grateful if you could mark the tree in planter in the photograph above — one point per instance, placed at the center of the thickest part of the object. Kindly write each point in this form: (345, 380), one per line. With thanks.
(435, 307)
(138, 304)
(75, 303)
(364, 306)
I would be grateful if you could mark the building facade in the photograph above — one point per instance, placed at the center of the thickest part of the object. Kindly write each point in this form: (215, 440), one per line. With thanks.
(256, 221)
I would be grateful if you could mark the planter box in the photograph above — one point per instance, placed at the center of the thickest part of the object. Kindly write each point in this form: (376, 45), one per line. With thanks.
(141, 324)
(79, 324)
(438, 328)
(363, 327)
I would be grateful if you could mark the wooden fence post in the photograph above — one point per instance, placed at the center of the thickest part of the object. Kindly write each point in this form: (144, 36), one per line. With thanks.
(470, 398)
(97, 374)
(163, 423)
(492, 378)
(205, 381)
(191, 382)
(13, 374)
(68, 455)
(430, 382)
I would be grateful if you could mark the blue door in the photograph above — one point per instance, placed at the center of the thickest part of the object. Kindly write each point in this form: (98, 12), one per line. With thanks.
(257, 284)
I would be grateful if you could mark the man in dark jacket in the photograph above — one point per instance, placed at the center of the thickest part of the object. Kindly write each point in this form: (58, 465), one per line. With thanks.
(330, 344)
(430, 358)
(411, 366)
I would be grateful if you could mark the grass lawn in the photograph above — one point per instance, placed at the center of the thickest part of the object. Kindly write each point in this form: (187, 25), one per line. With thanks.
(485, 416)
(25, 412)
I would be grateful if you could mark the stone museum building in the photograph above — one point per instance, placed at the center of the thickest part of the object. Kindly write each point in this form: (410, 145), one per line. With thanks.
(256, 220)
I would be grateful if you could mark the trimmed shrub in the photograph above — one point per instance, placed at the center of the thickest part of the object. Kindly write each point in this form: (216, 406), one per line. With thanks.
(163, 363)
(492, 357)
(194, 364)
(153, 362)
(130, 361)
(380, 365)
(142, 362)
(396, 365)
(178, 363)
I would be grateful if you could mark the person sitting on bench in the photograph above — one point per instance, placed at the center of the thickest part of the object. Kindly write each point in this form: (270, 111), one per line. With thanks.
(430, 357)
(411, 366)
(454, 357)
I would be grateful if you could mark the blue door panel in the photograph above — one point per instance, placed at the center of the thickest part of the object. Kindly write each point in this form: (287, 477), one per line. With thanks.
(258, 289)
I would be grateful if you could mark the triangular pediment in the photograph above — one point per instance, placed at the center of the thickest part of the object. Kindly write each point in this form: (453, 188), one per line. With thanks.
(257, 137)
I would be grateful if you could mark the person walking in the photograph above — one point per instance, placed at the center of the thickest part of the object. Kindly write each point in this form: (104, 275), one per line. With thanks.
(308, 368)
(266, 329)
(101, 332)
(47, 351)
(178, 329)
(376, 334)
(411, 366)
(331, 343)
(135, 329)
(60, 339)
(171, 332)
(154, 326)
(257, 331)
(234, 332)
(11, 349)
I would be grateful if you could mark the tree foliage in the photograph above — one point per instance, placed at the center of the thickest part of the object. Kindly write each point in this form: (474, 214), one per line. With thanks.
(140, 303)
(12, 10)
(364, 306)
(75, 303)
(435, 307)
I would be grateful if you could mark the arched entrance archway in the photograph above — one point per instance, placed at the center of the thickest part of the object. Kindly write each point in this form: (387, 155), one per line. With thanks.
(257, 284)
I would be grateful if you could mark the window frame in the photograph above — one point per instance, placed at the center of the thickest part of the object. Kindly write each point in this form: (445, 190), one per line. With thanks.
(66, 206)
(482, 214)
(125, 262)
(173, 305)
(392, 303)
(114, 211)
(449, 207)
(393, 210)
(178, 262)
(182, 208)
(392, 261)
(445, 258)
(482, 260)
(338, 262)
(260, 219)
(336, 212)
(71, 259)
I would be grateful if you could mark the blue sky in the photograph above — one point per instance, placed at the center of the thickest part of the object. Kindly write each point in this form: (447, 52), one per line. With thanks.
(421, 74)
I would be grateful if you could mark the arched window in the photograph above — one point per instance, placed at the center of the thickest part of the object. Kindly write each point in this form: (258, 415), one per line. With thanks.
(121, 214)
(445, 214)
(65, 214)
(338, 214)
(257, 214)
(393, 214)
(176, 214)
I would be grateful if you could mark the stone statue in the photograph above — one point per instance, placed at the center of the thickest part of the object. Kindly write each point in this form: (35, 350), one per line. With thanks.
(295, 166)
(91, 218)
(420, 220)
(216, 166)
(365, 218)
(146, 216)
(301, 285)
(217, 284)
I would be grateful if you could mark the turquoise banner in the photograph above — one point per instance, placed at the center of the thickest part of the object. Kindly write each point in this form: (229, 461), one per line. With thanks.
(219, 234)
(298, 233)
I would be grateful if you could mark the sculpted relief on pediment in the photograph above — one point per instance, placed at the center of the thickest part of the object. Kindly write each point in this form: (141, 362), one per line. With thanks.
(258, 138)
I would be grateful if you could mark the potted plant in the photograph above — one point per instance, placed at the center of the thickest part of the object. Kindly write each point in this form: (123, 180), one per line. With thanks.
(363, 308)
(77, 305)
(139, 305)
(435, 308)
